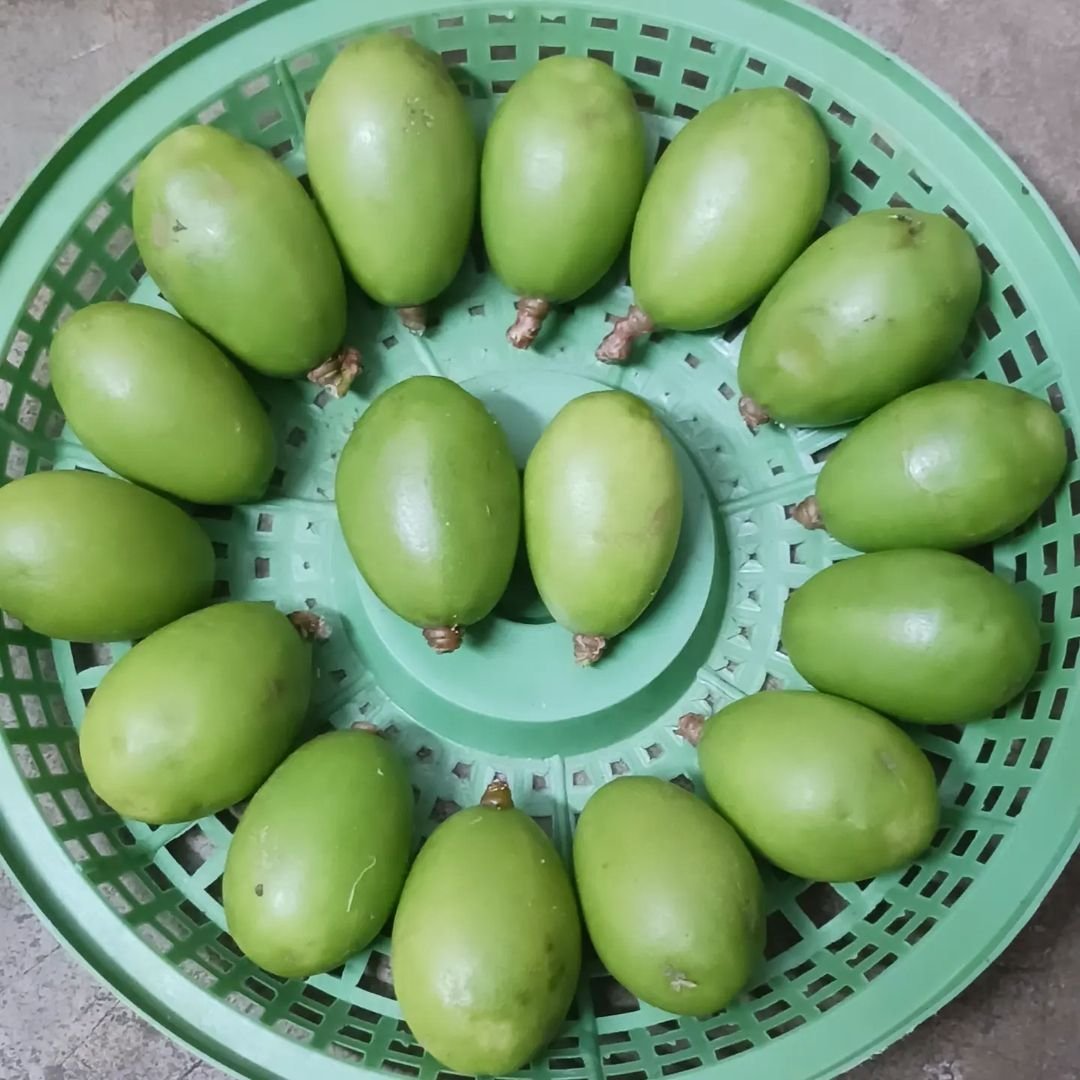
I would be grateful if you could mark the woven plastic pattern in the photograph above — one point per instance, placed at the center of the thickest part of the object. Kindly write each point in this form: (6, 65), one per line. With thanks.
(849, 967)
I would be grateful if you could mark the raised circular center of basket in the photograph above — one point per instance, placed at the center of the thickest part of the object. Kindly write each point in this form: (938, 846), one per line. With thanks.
(513, 686)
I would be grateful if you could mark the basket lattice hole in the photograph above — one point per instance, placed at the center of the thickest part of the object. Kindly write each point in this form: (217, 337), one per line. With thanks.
(661, 145)
(501, 17)
(611, 998)
(581, 779)
(66, 258)
(864, 174)
(90, 282)
(647, 65)
(29, 411)
(452, 57)
(120, 241)
(605, 56)
(955, 215)
(462, 770)
(686, 112)
(303, 62)
(53, 759)
(987, 258)
(503, 52)
(848, 203)
(267, 119)
(97, 216)
(926, 186)
(821, 903)
(19, 658)
(292, 1031)
(450, 21)
(988, 322)
(759, 67)
(16, 353)
(701, 44)
(296, 437)
(25, 761)
(262, 567)
(558, 19)
(1009, 367)
(86, 655)
(281, 149)
(378, 978)
(389, 342)
(697, 79)
(600, 22)
(260, 989)
(212, 112)
(898, 202)
(442, 809)
(798, 86)
(502, 86)
(1012, 298)
(38, 305)
(1038, 350)
(255, 86)
(651, 31)
(550, 50)
(880, 143)
(191, 849)
(1042, 751)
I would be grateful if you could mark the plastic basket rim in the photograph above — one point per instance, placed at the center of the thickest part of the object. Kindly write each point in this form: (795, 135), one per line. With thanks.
(36, 862)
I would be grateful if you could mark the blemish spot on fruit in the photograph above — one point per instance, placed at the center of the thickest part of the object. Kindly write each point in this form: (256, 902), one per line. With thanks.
(678, 981)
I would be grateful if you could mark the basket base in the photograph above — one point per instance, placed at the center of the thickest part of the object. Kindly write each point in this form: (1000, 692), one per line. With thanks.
(513, 686)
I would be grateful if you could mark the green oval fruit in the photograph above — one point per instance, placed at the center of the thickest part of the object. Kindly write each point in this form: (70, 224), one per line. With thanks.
(562, 175)
(823, 788)
(876, 307)
(430, 504)
(194, 717)
(671, 897)
(392, 156)
(159, 403)
(237, 247)
(732, 201)
(947, 466)
(487, 942)
(603, 510)
(922, 635)
(87, 557)
(320, 855)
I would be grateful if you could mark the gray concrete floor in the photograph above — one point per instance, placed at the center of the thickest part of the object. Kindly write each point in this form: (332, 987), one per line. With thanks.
(1014, 67)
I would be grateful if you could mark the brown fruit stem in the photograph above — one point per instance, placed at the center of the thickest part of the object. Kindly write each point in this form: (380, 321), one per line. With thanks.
(615, 348)
(497, 795)
(690, 725)
(531, 312)
(808, 513)
(309, 626)
(754, 415)
(588, 648)
(336, 374)
(444, 639)
(414, 318)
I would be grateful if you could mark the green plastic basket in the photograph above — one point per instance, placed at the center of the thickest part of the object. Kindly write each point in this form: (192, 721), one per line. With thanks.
(849, 967)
